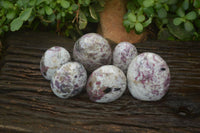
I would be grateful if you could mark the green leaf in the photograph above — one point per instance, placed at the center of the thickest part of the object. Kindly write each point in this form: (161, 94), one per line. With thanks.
(166, 7)
(58, 17)
(132, 25)
(16, 24)
(140, 18)
(164, 34)
(32, 2)
(39, 2)
(158, 5)
(63, 14)
(131, 17)
(6, 4)
(138, 27)
(31, 18)
(191, 15)
(126, 23)
(74, 7)
(48, 10)
(52, 17)
(131, 5)
(64, 3)
(19, 3)
(179, 31)
(148, 22)
(162, 13)
(149, 11)
(93, 13)
(80, 1)
(140, 2)
(185, 4)
(41, 11)
(180, 12)
(196, 3)
(148, 3)
(2, 20)
(11, 14)
(177, 21)
(87, 2)
(26, 14)
(188, 26)
(82, 20)
(84, 2)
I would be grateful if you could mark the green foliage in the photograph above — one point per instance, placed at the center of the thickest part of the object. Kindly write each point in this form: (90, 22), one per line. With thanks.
(177, 19)
(68, 16)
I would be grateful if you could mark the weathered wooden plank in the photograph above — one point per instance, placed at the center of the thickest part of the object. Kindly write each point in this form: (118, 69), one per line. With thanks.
(27, 103)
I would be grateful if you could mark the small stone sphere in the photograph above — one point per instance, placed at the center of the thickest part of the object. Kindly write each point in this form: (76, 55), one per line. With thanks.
(93, 51)
(123, 54)
(53, 59)
(106, 84)
(148, 77)
(69, 80)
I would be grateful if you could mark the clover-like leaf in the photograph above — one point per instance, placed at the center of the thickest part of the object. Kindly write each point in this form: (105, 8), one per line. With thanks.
(148, 3)
(188, 26)
(149, 11)
(48, 10)
(196, 3)
(138, 27)
(191, 15)
(185, 4)
(6, 4)
(177, 21)
(131, 16)
(162, 13)
(180, 12)
(26, 14)
(11, 14)
(141, 18)
(16, 24)
(64, 3)
(179, 31)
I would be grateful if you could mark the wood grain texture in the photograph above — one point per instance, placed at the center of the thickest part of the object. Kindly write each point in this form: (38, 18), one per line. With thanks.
(27, 103)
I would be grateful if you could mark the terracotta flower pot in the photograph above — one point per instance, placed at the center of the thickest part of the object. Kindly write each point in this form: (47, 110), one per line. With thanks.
(111, 23)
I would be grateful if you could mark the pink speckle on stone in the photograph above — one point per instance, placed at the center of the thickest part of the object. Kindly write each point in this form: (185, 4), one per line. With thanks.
(155, 92)
(98, 83)
(123, 53)
(106, 84)
(69, 80)
(148, 77)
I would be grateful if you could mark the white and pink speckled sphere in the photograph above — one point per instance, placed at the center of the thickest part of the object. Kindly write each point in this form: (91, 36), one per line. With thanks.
(93, 51)
(148, 77)
(106, 84)
(123, 54)
(69, 80)
(53, 59)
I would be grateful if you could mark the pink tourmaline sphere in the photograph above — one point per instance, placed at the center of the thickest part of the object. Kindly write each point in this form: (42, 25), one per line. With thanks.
(148, 77)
